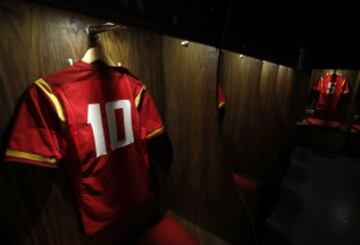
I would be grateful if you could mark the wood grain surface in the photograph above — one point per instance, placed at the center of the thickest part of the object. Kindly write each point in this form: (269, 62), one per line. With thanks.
(241, 123)
(257, 120)
(202, 191)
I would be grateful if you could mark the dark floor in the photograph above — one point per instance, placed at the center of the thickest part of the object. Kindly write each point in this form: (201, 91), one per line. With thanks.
(319, 202)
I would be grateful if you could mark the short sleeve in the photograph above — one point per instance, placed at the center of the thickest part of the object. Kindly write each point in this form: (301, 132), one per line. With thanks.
(36, 129)
(220, 96)
(149, 116)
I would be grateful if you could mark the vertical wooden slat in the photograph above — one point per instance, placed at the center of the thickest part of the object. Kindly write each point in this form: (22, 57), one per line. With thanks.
(257, 120)
(242, 130)
(201, 189)
(191, 119)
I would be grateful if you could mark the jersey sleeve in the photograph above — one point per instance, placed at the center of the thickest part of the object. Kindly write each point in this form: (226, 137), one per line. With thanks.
(150, 119)
(35, 135)
(220, 96)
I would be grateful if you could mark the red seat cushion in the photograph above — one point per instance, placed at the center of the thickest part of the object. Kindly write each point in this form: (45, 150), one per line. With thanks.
(167, 232)
(321, 122)
(247, 186)
(356, 127)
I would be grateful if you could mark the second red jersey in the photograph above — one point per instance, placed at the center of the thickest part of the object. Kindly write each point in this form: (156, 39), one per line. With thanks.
(96, 120)
(330, 88)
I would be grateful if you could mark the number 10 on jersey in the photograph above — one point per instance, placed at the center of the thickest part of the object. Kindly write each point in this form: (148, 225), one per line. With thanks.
(94, 118)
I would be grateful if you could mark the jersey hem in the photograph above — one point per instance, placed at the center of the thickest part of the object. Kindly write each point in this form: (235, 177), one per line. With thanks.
(89, 232)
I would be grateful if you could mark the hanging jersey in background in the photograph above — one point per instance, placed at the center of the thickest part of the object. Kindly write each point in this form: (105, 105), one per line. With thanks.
(330, 88)
(96, 120)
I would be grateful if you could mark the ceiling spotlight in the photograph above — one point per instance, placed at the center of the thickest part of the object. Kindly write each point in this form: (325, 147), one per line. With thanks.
(185, 43)
(241, 56)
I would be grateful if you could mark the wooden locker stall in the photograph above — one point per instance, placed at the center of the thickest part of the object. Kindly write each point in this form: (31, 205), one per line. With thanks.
(39, 205)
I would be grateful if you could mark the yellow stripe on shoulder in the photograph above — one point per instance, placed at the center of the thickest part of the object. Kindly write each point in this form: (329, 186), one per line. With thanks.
(45, 87)
(155, 132)
(138, 96)
(29, 156)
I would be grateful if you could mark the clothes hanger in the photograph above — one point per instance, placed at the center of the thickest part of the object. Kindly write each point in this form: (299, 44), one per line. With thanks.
(95, 53)
(336, 72)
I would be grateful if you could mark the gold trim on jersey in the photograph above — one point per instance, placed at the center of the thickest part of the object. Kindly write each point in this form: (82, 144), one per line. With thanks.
(138, 96)
(44, 86)
(155, 133)
(29, 156)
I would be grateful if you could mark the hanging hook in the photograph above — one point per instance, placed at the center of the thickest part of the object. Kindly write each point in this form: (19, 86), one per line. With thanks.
(93, 31)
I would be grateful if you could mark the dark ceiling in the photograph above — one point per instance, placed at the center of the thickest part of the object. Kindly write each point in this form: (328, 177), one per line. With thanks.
(328, 35)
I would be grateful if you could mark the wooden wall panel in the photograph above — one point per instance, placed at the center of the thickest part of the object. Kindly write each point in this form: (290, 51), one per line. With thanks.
(285, 86)
(301, 90)
(241, 128)
(257, 121)
(352, 143)
(140, 51)
(190, 75)
(201, 190)
(270, 117)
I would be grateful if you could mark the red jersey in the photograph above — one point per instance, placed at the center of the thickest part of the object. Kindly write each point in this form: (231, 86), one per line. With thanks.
(330, 87)
(96, 120)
